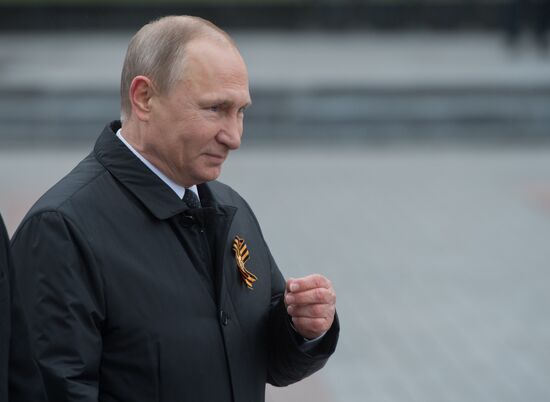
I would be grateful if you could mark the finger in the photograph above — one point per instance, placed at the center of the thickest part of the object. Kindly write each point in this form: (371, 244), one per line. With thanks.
(313, 296)
(312, 311)
(309, 282)
(311, 328)
(288, 283)
(287, 290)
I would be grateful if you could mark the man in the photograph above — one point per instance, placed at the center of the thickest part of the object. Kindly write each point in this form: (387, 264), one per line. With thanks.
(22, 381)
(143, 277)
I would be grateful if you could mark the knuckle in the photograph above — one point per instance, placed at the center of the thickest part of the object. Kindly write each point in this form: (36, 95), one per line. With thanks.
(326, 295)
(318, 325)
(318, 310)
(318, 279)
(320, 294)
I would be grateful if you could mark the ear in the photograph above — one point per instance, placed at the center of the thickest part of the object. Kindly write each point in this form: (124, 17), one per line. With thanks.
(141, 93)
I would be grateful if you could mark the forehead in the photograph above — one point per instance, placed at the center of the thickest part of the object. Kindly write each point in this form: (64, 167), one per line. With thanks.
(215, 65)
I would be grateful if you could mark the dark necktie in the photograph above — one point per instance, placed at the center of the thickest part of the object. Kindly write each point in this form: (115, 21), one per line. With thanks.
(191, 199)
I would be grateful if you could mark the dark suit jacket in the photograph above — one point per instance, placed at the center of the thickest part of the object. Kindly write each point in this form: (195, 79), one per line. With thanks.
(21, 382)
(133, 297)
(5, 314)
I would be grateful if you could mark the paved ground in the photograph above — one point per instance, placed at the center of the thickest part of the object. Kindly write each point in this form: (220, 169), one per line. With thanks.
(439, 255)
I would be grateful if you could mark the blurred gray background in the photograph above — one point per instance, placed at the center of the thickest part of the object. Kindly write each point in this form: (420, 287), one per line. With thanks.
(414, 138)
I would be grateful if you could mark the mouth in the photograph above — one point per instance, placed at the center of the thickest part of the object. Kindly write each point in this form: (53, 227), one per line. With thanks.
(218, 158)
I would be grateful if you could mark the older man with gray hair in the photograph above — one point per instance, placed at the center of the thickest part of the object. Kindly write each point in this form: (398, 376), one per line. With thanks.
(144, 278)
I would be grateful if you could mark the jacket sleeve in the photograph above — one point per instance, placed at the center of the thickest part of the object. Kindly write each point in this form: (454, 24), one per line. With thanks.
(288, 361)
(62, 297)
(24, 379)
(21, 381)
(5, 324)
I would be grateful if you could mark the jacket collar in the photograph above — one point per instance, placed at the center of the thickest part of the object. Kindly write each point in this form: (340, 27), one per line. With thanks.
(138, 179)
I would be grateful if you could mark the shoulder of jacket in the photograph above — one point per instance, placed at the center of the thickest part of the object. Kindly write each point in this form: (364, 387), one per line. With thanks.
(74, 184)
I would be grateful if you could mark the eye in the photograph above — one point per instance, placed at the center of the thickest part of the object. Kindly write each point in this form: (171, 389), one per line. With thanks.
(214, 108)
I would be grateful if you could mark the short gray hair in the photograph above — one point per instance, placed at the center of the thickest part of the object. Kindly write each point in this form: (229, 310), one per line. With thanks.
(157, 51)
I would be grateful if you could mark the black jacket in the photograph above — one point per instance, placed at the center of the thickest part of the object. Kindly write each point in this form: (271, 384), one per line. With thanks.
(5, 313)
(132, 296)
(19, 377)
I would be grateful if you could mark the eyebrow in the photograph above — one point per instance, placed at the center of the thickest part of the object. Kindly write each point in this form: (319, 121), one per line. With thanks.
(226, 103)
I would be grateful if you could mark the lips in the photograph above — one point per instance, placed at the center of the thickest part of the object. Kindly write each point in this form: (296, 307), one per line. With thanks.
(217, 157)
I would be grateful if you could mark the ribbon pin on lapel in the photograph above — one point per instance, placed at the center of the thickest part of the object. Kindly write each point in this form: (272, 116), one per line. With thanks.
(241, 256)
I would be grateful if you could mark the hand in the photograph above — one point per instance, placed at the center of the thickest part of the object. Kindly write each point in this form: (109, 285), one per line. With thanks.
(311, 302)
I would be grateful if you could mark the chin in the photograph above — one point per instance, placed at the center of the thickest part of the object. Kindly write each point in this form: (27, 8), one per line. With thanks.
(209, 175)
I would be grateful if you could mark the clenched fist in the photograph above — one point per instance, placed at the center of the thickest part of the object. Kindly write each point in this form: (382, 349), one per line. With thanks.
(311, 302)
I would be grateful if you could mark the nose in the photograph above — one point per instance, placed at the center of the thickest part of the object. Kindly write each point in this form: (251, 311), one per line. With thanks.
(231, 132)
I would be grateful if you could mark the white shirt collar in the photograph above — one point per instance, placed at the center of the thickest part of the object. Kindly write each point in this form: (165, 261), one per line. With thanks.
(179, 190)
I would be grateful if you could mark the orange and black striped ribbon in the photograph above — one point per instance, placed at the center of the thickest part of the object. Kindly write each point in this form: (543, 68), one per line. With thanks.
(241, 256)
